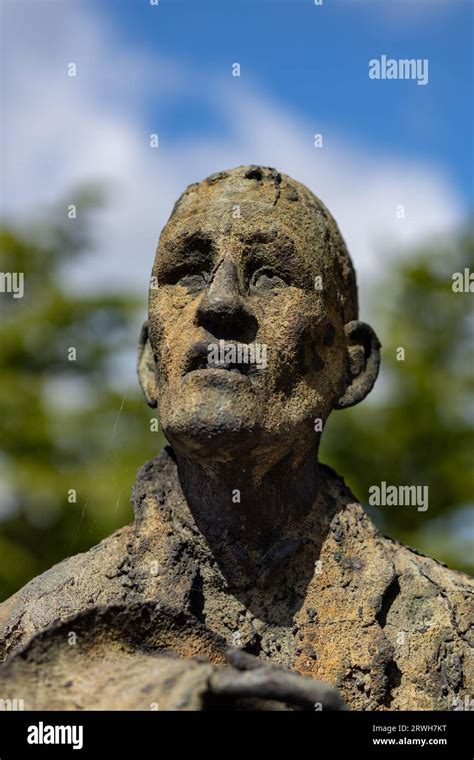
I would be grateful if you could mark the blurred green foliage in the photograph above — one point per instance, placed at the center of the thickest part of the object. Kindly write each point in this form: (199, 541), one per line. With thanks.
(63, 424)
(71, 425)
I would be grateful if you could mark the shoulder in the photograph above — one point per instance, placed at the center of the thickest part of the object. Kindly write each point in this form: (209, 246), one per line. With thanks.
(412, 574)
(400, 622)
(105, 574)
(428, 617)
(97, 576)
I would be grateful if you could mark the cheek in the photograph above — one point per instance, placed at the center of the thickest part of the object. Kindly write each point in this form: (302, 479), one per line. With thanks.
(318, 347)
(169, 302)
(296, 328)
(172, 314)
(169, 318)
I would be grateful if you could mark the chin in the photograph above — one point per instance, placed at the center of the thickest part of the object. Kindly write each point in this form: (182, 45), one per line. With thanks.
(212, 424)
(217, 443)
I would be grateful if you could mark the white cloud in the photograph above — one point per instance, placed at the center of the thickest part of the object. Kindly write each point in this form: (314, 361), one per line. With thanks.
(60, 131)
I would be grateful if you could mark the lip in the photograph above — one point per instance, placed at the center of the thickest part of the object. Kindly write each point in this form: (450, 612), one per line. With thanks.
(197, 363)
(217, 376)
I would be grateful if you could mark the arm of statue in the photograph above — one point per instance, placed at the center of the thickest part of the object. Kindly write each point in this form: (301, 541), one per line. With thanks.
(138, 657)
(251, 678)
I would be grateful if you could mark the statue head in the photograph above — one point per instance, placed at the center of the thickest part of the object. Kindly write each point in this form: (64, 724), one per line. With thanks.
(252, 334)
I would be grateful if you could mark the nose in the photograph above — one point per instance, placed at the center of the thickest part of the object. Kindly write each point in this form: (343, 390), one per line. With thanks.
(222, 310)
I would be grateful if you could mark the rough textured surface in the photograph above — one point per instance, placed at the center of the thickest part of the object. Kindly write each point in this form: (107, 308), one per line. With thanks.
(339, 621)
(238, 525)
(141, 656)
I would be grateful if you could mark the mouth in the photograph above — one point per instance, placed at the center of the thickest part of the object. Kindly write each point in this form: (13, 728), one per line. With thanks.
(227, 360)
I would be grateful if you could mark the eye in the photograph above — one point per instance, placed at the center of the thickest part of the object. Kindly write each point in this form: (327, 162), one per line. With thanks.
(194, 281)
(265, 279)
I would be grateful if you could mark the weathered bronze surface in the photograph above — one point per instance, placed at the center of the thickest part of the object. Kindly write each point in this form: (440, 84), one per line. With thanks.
(251, 542)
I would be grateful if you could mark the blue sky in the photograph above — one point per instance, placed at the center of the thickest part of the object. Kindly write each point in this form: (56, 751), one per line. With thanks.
(167, 69)
(313, 60)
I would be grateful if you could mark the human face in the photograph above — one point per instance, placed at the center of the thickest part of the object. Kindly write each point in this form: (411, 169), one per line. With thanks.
(223, 281)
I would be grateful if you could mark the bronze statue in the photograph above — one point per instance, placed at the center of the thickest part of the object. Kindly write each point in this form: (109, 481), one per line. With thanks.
(252, 339)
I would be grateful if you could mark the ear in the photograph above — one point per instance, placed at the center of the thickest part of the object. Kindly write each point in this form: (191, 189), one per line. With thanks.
(146, 368)
(364, 361)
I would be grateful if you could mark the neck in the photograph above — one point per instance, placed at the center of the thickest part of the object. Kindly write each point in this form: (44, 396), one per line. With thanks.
(251, 520)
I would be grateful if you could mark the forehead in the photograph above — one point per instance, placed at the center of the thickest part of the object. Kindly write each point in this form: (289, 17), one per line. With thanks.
(247, 211)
